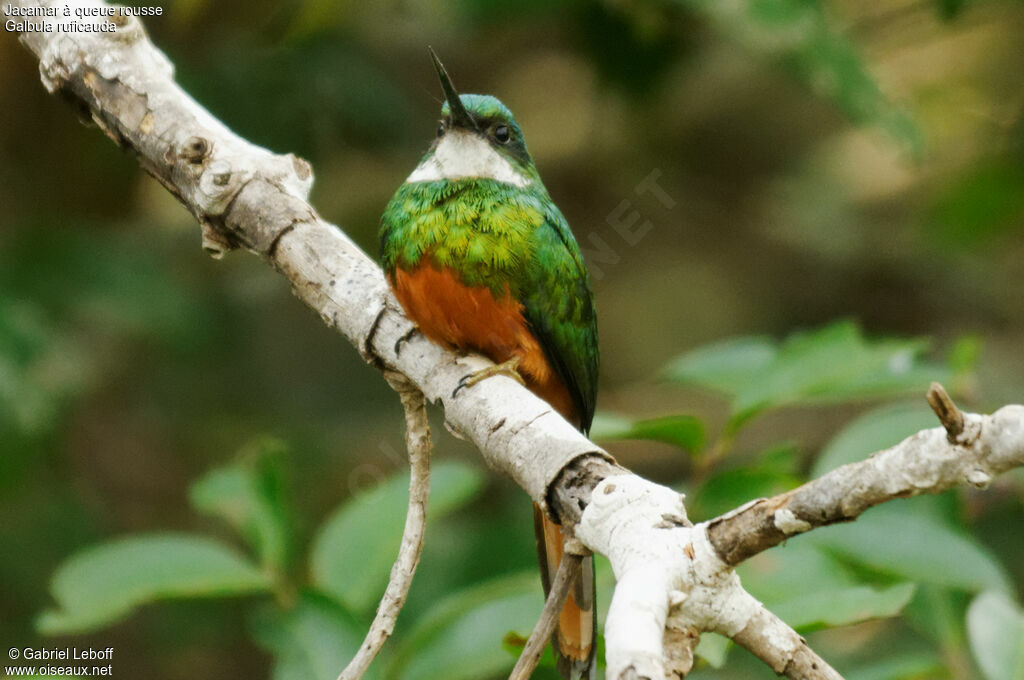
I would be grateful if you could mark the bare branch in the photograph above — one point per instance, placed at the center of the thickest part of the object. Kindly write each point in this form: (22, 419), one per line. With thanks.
(565, 576)
(767, 637)
(417, 440)
(927, 462)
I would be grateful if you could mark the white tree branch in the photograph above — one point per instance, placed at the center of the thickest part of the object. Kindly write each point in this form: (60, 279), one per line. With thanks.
(971, 449)
(674, 580)
(768, 638)
(244, 195)
(662, 563)
(417, 441)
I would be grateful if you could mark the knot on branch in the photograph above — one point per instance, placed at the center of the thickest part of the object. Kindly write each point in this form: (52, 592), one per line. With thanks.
(129, 28)
(195, 149)
(215, 177)
(216, 241)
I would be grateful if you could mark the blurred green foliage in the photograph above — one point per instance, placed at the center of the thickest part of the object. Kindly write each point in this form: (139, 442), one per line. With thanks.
(799, 34)
(839, 160)
(996, 625)
(104, 583)
(830, 364)
(355, 575)
(866, 571)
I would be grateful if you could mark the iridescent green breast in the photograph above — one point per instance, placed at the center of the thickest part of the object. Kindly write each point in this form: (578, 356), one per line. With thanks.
(480, 228)
(511, 240)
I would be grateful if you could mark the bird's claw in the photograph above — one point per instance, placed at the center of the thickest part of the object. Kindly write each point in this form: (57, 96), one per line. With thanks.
(405, 338)
(509, 369)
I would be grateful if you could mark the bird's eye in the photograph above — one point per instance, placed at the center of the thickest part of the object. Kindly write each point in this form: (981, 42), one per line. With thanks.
(501, 134)
(440, 129)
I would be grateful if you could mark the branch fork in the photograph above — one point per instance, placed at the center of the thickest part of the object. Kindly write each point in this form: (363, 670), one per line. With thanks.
(671, 585)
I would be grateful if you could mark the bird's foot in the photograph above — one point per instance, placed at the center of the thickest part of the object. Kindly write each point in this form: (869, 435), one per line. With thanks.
(404, 339)
(509, 369)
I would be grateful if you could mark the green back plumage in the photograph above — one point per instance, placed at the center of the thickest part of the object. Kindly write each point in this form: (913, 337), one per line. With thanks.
(506, 238)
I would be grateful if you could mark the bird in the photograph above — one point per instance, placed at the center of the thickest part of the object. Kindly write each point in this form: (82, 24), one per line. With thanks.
(482, 261)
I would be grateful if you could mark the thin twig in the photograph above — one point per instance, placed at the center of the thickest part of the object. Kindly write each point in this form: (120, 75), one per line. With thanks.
(566, 574)
(417, 439)
(971, 449)
(951, 417)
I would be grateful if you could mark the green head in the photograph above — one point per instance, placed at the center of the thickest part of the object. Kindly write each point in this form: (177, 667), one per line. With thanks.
(477, 138)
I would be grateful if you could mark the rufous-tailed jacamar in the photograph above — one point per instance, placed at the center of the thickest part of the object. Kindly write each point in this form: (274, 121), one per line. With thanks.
(482, 260)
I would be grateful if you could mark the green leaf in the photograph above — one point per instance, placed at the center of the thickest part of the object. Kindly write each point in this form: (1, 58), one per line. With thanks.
(909, 666)
(104, 583)
(876, 430)
(939, 612)
(835, 363)
(609, 426)
(313, 640)
(895, 540)
(995, 627)
(686, 432)
(808, 588)
(470, 626)
(843, 606)
(725, 366)
(513, 644)
(965, 355)
(800, 34)
(790, 570)
(249, 496)
(713, 648)
(773, 472)
(355, 548)
(604, 585)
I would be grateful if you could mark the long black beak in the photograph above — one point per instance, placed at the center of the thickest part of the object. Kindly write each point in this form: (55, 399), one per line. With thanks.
(460, 116)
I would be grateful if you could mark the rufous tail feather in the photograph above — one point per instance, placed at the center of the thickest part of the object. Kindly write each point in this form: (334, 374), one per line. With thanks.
(573, 639)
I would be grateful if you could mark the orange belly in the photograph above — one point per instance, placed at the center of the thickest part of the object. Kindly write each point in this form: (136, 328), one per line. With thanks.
(470, 318)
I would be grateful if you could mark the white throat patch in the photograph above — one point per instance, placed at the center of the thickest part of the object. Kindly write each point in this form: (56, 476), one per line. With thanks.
(464, 154)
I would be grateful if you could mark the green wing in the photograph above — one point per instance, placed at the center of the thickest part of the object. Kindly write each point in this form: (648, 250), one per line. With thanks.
(559, 306)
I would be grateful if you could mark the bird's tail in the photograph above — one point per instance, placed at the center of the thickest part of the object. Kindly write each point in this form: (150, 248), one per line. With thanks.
(573, 639)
